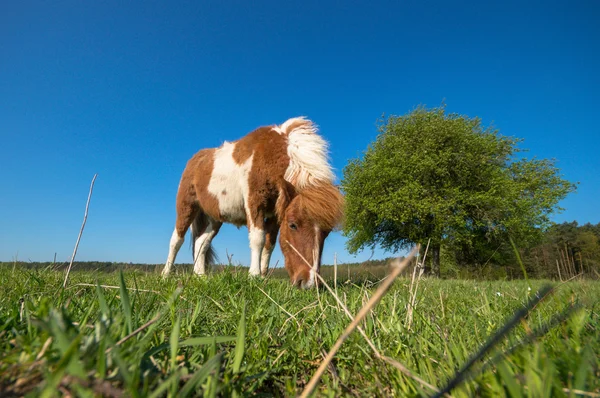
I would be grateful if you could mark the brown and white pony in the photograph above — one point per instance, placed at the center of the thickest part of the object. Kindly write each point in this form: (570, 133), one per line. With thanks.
(277, 178)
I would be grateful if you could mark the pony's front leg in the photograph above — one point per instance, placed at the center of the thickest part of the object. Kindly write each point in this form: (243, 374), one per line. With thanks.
(271, 230)
(256, 235)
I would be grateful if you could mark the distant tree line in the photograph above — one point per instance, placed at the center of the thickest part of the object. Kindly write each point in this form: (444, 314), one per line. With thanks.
(567, 249)
(561, 252)
(108, 266)
(101, 266)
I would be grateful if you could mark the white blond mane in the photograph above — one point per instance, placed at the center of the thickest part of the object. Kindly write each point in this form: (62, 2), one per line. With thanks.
(308, 152)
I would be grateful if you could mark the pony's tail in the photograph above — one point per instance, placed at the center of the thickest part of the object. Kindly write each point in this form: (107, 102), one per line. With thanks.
(199, 224)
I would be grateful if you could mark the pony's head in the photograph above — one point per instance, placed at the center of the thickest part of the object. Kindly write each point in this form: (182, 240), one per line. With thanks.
(307, 218)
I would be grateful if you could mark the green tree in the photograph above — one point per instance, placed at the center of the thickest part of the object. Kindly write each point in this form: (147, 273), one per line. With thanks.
(444, 177)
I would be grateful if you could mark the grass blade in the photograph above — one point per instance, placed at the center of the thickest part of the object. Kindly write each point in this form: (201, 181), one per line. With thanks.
(198, 378)
(125, 302)
(191, 342)
(213, 378)
(495, 338)
(194, 341)
(509, 380)
(174, 343)
(239, 346)
(165, 385)
(101, 365)
(519, 260)
(61, 367)
(102, 301)
(124, 371)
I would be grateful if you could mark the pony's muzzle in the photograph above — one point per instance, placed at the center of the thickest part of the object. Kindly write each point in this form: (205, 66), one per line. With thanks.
(305, 279)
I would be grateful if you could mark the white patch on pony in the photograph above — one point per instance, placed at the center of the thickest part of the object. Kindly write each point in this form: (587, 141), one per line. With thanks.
(257, 243)
(311, 280)
(315, 264)
(308, 152)
(229, 184)
(317, 248)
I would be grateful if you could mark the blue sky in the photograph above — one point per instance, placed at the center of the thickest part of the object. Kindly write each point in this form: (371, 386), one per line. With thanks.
(131, 90)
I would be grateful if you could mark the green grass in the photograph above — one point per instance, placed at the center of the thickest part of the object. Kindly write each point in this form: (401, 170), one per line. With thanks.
(222, 336)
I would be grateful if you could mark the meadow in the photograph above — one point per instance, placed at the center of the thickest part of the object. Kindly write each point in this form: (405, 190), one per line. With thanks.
(134, 334)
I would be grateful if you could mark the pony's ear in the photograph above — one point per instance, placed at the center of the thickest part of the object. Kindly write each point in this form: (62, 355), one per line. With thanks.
(287, 192)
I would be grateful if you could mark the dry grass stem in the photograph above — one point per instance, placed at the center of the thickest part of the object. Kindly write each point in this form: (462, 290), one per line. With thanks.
(87, 205)
(136, 331)
(44, 348)
(442, 303)
(335, 272)
(413, 289)
(114, 287)
(378, 354)
(280, 307)
(520, 314)
(313, 305)
(279, 356)
(359, 317)
(216, 303)
(580, 392)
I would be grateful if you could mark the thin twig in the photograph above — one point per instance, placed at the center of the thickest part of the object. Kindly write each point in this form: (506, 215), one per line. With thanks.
(332, 368)
(87, 205)
(359, 317)
(500, 333)
(114, 287)
(378, 354)
(277, 304)
(442, 303)
(136, 331)
(278, 356)
(554, 288)
(44, 348)
(581, 392)
(558, 267)
(83, 325)
(531, 336)
(335, 272)
(413, 293)
(313, 305)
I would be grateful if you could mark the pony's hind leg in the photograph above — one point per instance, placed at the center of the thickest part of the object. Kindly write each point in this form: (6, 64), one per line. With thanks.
(204, 229)
(187, 209)
(174, 246)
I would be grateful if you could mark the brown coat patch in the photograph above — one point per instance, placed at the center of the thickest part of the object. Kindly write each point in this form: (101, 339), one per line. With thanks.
(269, 163)
(193, 194)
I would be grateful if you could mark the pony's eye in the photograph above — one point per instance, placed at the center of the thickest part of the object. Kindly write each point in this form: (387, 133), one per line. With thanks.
(293, 226)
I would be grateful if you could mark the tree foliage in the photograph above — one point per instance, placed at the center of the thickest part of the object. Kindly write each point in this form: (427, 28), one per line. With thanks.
(444, 177)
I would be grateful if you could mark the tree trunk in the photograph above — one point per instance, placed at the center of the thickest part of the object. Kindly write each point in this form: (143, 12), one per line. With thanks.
(435, 260)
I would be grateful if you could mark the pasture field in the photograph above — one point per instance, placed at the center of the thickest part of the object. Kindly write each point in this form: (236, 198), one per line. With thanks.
(231, 335)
